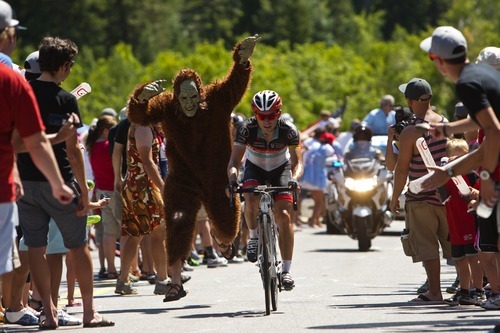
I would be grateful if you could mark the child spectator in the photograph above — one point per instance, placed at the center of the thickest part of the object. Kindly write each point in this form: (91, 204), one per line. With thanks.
(463, 233)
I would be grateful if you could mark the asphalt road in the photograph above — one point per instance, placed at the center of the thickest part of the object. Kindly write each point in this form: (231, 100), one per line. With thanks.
(337, 289)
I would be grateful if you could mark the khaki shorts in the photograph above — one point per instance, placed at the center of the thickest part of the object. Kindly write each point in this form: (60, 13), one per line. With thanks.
(112, 226)
(427, 229)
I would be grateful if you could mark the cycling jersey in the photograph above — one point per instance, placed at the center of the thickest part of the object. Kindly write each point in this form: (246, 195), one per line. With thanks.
(267, 155)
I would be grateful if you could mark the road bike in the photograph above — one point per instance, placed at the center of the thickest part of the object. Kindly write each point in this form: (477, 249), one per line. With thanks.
(269, 259)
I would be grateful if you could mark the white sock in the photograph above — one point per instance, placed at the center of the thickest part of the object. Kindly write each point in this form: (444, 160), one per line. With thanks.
(287, 264)
(166, 281)
(254, 233)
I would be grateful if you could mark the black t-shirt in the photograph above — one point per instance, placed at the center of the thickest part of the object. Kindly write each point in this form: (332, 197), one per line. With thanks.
(479, 87)
(55, 106)
(121, 136)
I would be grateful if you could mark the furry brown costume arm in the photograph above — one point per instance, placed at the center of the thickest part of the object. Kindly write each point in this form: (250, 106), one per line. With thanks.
(233, 86)
(147, 113)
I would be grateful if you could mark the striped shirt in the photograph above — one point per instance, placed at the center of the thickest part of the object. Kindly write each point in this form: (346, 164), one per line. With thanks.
(418, 169)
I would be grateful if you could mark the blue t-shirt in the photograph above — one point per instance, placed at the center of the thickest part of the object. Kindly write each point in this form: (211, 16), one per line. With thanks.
(314, 163)
(5, 59)
(378, 122)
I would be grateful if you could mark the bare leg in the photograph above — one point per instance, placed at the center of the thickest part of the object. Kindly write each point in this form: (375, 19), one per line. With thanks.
(433, 270)
(286, 235)
(127, 255)
(147, 253)
(55, 266)
(40, 274)
(159, 251)
(108, 248)
(70, 277)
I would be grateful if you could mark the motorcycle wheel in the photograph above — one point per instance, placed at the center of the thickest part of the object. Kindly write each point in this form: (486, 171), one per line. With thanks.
(364, 241)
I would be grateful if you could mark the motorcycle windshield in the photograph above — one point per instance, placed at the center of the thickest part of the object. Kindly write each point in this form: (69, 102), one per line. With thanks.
(361, 160)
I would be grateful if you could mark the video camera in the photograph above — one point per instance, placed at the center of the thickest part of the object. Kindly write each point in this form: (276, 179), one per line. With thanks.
(404, 117)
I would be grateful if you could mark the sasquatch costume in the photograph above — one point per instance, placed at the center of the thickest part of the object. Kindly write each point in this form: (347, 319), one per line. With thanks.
(198, 149)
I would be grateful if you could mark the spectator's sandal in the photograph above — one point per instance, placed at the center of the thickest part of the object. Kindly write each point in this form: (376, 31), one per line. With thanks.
(174, 293)
(230, 250)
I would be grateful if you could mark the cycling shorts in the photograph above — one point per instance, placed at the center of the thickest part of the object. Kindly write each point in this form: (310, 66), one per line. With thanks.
(280, 176)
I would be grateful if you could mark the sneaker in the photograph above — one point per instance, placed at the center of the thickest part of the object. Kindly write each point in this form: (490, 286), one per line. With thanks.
(23, 317)
(454, 287)
(216, 261)
(287, 281)
(161, 288)
(193, 262)
(132, 278)
(252, 246)
(185, 278)
(493, 303)
(475, 297)
(63, 318)
(237, 259)
(123, 288)
(195, 256)
(455, 299)
(423, 288)
(186, 267)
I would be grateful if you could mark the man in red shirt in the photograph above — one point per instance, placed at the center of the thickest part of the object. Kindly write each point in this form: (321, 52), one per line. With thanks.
(20, 113)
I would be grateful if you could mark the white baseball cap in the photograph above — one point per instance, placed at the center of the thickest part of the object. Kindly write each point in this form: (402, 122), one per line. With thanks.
(446, 42)
(6, 19)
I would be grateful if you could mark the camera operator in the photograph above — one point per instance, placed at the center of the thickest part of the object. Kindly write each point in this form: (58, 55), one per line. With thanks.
(404, 117)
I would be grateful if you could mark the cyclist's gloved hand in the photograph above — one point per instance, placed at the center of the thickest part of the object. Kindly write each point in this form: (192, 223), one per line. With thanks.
(247, 47)
(150, 90)
(233, 186)
(293, 183)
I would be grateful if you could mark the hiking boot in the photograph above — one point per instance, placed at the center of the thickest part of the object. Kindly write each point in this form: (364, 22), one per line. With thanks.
(493, 303)
(216, 261)
(23, 317)
(475, 297)
(252, 246)
(123, 288)
(287, 281)
(161, 288)
(454, 287)
(63, 318)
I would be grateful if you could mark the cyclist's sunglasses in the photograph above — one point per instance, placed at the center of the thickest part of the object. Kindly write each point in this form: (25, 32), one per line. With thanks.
(270, 116)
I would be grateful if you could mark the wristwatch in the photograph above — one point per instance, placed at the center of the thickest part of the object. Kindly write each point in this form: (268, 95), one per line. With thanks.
(450, 172)
(485, 175)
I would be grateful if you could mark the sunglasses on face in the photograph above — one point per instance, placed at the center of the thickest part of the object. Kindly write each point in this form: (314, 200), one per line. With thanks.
(271, 116)
(432, 56)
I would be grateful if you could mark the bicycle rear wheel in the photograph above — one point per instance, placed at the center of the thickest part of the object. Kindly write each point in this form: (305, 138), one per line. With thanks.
(265, 268)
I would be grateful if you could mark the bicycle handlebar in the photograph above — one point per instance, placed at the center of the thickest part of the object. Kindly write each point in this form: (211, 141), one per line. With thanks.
(292, 186)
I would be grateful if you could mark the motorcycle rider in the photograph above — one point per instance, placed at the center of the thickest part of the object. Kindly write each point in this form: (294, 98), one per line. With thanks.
(362, 138)
(273, 154)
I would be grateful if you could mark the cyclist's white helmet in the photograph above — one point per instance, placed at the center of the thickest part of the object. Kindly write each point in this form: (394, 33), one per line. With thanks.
(266, 100)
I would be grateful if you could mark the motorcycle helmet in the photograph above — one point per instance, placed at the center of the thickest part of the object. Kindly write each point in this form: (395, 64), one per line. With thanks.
(362, 132)
(266, 100)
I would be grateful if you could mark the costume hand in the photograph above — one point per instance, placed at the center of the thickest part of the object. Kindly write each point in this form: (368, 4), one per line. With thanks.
(247, 47)
(63, 194)
(150, 90)
(440, 177)
(488, 193)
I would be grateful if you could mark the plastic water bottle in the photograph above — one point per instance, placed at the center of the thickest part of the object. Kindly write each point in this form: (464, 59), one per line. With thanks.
(483, 210)
(93, 219)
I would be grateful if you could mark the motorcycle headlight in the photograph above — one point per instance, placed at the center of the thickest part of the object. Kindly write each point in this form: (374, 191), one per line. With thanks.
(361, 185)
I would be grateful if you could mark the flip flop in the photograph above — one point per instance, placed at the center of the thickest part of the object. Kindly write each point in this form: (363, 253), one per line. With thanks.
(74, 304)
(103, 323)
(424, 300)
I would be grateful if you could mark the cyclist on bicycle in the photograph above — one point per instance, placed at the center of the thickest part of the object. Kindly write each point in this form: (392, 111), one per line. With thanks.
(273, 157)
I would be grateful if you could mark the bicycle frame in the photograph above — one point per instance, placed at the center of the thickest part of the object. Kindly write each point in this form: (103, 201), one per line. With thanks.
(269, 261)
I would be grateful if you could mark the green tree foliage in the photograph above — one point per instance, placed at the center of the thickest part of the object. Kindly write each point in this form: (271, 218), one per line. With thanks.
(315, 53)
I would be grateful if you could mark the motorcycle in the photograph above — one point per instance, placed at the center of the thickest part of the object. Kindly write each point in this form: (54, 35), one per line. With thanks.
(358, 194)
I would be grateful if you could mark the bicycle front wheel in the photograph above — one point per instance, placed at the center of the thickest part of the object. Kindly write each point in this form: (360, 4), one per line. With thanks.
(265, 267)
